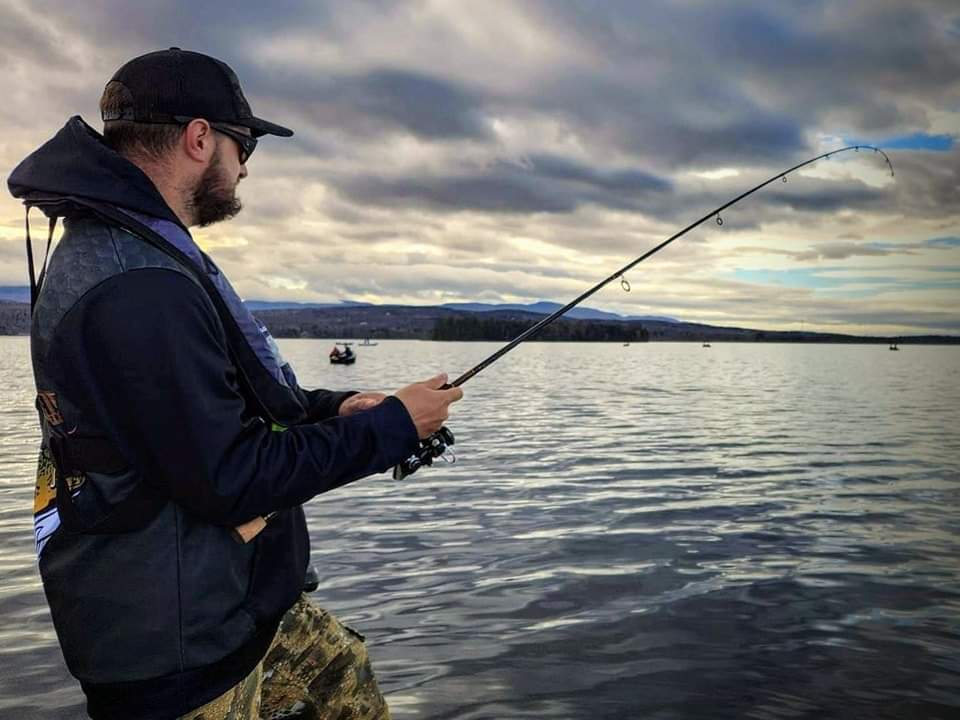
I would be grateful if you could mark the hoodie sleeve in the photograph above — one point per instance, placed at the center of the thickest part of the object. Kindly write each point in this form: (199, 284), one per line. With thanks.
(145, 354)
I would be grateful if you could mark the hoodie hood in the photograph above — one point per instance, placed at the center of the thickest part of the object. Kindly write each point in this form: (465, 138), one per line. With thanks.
(76, 163)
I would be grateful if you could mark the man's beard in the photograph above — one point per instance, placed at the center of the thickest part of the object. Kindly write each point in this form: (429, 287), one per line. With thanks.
(212, 201)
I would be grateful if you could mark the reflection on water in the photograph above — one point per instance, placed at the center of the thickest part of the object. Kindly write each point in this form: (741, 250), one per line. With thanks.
(656, 531)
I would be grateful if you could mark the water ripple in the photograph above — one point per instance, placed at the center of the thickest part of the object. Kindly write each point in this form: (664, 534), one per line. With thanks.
(760, 531)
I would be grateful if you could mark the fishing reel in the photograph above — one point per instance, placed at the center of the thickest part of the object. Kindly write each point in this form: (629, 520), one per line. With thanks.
(431, 448)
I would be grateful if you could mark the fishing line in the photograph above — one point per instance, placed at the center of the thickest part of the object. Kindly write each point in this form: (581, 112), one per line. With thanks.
(436, 445)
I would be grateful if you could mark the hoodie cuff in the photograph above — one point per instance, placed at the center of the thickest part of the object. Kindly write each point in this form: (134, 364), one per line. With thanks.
(395, 428)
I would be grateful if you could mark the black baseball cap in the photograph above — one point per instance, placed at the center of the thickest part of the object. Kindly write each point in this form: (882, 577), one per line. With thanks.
(173, 86)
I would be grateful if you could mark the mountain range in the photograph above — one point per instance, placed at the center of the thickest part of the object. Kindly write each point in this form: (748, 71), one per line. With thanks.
(542, 307)
(16, 293)
(349, 319)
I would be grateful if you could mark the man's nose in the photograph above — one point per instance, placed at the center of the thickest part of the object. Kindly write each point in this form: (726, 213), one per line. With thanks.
(243, 172)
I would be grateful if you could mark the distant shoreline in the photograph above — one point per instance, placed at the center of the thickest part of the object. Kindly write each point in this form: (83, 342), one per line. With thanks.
(943, 342)
(400, 322)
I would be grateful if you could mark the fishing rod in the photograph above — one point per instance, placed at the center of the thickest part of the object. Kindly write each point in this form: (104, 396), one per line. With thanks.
(436, 445)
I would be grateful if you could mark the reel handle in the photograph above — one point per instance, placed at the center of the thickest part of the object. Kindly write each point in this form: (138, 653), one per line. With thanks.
(430, 449)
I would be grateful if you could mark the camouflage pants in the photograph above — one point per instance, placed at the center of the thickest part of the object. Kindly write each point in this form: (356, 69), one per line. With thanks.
(316, 669)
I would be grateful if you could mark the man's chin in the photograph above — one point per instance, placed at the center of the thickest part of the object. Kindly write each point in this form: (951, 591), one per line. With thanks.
(208, 213)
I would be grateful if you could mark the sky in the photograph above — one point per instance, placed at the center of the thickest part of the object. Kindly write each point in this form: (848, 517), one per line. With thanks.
(515, 151)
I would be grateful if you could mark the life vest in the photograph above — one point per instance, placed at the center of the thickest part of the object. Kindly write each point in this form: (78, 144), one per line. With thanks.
(266, 379)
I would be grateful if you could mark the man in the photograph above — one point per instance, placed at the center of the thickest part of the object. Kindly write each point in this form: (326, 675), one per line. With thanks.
(170, 420)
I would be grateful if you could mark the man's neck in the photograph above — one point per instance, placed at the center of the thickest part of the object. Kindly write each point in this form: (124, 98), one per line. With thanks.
(173, 192)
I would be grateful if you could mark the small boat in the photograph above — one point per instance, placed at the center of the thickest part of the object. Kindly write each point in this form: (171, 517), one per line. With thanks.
(346, 356)
(366, 343)
(893, 346)
(706, 345)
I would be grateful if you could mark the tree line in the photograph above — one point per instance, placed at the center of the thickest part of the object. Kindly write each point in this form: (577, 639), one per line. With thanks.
(478, 327)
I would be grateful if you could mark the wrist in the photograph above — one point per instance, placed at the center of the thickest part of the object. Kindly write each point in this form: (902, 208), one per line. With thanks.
(343, 397)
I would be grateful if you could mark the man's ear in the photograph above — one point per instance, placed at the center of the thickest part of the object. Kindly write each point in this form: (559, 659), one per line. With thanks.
(198, 141)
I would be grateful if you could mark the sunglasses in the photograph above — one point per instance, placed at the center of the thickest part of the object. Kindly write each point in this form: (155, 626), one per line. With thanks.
(247, 143)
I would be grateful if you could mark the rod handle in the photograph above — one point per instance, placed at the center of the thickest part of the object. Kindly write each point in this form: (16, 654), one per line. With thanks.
(249, 530)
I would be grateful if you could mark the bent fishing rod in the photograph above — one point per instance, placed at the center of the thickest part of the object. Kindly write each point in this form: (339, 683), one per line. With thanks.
(436, 445)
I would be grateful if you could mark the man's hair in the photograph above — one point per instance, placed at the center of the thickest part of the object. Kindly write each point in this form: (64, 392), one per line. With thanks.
(132, 139)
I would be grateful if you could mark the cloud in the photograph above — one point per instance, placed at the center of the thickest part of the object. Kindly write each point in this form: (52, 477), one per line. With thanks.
(842, 251)
(513, 151)
(26, 39)
(541, 183)
(626, 181)
(387, 100)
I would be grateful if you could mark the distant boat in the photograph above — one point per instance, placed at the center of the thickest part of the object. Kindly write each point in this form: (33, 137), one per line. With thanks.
(626, 344)
(346, 356)
(706, 345)
(893, 346)
(366, 343)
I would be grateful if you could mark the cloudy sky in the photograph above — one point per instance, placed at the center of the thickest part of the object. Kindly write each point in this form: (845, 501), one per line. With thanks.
(513, 151)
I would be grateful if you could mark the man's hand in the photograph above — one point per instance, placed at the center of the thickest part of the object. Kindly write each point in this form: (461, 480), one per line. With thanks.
(428, 405)
(360, 401)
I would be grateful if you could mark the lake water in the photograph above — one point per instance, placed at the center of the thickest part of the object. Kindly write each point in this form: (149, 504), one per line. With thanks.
(653, 531)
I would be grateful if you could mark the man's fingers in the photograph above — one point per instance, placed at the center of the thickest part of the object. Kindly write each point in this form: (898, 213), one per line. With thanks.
(428, 405)
(451, 395)
(436, 382)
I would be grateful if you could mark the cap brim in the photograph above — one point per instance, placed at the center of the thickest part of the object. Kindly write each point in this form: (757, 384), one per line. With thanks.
(260, 127)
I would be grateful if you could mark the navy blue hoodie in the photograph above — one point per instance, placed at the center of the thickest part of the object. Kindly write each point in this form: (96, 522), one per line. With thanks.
(158, 618)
